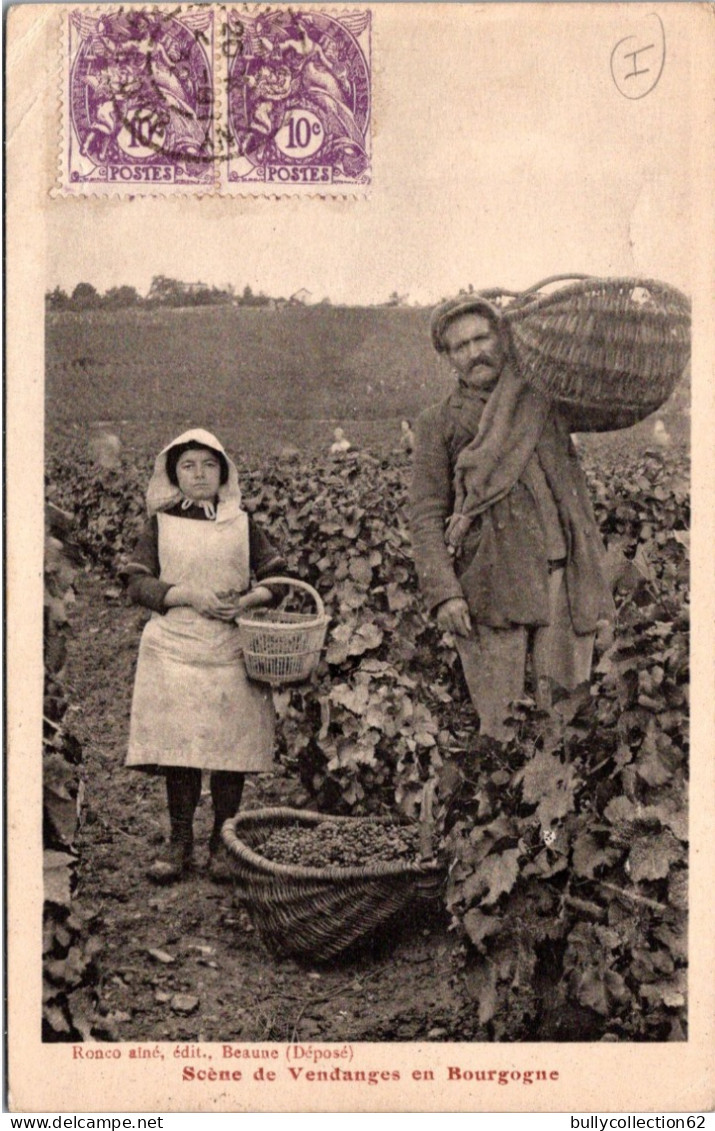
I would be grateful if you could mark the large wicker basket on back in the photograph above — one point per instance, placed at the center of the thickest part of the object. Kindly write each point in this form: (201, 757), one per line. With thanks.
(319, 912)
(609, 351)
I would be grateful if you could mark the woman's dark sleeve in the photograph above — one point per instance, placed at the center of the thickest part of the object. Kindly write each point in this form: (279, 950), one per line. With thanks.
(141, 573)
(265, 558)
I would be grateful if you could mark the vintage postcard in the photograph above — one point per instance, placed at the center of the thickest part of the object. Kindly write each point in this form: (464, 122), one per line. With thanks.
(360, 521)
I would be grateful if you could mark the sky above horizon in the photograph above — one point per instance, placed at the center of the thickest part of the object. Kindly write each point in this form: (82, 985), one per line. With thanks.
(503, 152)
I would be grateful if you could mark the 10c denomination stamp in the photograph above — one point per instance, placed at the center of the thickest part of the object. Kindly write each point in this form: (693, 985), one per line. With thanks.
(212, 100)
(299, 98)
(140, 99)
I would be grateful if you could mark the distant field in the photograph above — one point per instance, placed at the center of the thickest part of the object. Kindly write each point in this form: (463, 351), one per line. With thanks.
(260, 379)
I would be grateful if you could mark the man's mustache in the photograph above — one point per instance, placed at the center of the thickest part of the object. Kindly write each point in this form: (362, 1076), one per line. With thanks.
(483, 359)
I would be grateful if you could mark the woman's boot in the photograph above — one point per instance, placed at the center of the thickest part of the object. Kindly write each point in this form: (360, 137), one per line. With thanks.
(183, 791)
(226, 792)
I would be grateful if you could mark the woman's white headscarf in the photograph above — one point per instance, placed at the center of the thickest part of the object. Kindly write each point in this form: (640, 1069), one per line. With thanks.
(162, 493)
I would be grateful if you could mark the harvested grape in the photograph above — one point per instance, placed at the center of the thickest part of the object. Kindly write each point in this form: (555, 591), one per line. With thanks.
(355, 844)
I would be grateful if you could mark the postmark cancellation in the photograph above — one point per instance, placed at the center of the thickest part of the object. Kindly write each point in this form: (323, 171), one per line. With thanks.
(215, 100)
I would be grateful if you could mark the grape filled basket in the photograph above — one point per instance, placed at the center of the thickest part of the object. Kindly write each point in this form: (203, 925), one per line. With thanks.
(280, 646)
(320, 911)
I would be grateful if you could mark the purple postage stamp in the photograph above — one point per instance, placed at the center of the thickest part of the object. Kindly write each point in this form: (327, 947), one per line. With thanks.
(139, 100)
(298, 100)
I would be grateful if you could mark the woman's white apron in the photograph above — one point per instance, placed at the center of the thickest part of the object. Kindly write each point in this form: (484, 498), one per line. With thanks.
(193, 704)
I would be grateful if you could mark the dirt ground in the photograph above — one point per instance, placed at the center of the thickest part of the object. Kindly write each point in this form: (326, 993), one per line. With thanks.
(184, 963)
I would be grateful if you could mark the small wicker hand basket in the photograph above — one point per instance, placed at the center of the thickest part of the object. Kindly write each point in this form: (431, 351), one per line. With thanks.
(319, 912)
(283, 647)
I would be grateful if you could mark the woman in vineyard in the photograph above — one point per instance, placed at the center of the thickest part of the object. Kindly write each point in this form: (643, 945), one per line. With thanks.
(193, 707)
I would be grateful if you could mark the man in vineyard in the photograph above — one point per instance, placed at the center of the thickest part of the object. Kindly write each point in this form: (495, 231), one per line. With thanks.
(508, 554)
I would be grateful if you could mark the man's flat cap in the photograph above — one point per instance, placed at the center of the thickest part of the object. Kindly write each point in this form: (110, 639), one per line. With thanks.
(463, 304)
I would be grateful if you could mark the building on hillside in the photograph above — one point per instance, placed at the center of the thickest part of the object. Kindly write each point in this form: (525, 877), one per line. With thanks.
(300, 298)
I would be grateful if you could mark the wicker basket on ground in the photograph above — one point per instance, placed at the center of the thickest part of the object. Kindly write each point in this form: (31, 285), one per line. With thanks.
(609, 351)
(279, 646)
(319, 912)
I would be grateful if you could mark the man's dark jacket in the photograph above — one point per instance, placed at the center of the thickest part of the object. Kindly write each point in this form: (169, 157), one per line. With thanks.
(502, 568)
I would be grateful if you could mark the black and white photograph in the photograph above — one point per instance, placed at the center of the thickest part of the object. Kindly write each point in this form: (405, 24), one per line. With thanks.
(359, 698)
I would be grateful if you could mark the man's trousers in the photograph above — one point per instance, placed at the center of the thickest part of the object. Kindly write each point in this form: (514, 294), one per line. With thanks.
(494, 661)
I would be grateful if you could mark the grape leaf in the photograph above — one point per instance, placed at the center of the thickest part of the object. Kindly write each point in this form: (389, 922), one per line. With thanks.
(397, 598)
(337, 651)
(599, 989)
(497, 874)
(621, 811)
(653, 770)
(354, 698)
(678, 890)
(551, 783)
(675, 817)
(355, 753)
(366, 637)
(55, 1018)
(670, 992)
(589, 856)
(360, 570)
(350, 596)
(479, 926)
(56, 874)
(651, 857)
